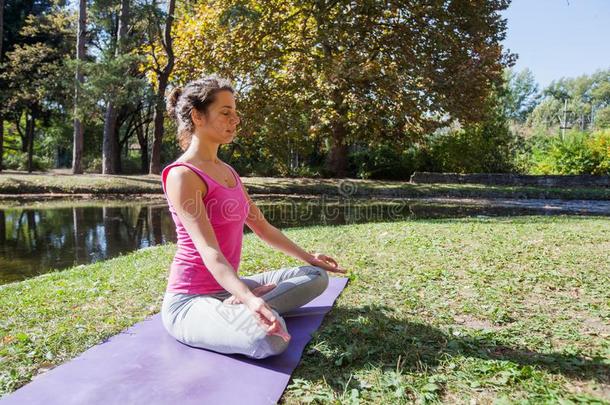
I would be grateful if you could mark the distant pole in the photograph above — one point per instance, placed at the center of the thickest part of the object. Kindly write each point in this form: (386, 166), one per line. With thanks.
(565, 117)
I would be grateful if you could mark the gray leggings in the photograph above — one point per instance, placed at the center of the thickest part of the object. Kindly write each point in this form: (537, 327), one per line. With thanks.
(202, 320)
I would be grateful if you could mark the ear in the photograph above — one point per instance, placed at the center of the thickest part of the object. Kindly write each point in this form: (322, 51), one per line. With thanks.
(197, 117)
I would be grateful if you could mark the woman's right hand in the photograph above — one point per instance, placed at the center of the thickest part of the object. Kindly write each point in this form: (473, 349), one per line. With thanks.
(265, 317)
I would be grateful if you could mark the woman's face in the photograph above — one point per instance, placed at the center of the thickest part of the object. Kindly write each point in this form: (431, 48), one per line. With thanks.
(220, 124)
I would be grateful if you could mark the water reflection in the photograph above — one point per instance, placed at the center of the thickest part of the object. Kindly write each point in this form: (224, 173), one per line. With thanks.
(33, 241)
(36, 240)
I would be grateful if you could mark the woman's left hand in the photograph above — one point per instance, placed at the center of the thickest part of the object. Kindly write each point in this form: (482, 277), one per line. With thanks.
(327, 263)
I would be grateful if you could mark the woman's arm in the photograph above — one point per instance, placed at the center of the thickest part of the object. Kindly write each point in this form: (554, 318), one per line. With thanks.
(257, 222)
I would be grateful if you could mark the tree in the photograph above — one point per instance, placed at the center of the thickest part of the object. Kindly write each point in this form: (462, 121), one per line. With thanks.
(34, 73)
(162, 70)
(77, 151)
(587, 96)
(521, 96)
(1, 58)
(347, 71)
(13, 15)
(110, 147)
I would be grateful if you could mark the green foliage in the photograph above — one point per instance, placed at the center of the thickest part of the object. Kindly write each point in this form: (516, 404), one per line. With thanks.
(112, 79)
(586, 95)
(602, 117)
(34, 70)
(600, 147)
(483, 148)
(385, 161)
(92, 164)
(486, 146)
(19, 161)
(350, 80)
(132, 163)
(328, 72)
(521, 95)
(577, 153)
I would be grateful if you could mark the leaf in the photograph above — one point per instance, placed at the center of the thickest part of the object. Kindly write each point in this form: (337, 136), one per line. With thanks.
(430, 387)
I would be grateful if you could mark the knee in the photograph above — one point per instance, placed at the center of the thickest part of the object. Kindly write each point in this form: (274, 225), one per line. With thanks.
(269, 346)
(321, 279)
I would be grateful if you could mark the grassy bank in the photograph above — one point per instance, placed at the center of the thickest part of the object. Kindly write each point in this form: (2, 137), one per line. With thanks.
(13, 185)
(436, 310)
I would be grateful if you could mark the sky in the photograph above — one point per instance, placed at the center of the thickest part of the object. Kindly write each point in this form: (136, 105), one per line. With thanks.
(559, 38)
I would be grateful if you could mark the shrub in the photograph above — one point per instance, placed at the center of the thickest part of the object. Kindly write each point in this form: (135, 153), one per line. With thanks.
(92, 164)
(19, 161)
(600, 147)
(576, 153)
(384, 161)
(482, 148)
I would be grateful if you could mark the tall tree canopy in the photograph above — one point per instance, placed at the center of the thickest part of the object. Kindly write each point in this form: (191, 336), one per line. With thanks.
(588, 102)
(521, 96)
(33, 72)
(342, 71)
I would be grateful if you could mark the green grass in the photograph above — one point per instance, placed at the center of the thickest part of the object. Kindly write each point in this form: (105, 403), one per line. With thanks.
(12, 184)
(18, 183)
(487, 310)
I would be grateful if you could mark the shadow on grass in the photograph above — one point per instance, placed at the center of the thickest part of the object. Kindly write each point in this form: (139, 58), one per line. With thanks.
(382, 339)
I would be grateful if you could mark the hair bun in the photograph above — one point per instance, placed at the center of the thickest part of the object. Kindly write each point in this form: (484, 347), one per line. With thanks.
(172, 101)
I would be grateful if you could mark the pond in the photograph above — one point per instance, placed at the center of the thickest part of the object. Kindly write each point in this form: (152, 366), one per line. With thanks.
(36, 239)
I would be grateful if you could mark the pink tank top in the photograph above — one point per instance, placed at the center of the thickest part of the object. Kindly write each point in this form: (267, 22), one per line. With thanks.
(227, 209)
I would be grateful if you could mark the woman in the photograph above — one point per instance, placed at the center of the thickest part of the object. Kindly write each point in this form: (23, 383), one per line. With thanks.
(206, 303)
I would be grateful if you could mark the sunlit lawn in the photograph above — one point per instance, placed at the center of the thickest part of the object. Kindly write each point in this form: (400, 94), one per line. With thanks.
(435, 310)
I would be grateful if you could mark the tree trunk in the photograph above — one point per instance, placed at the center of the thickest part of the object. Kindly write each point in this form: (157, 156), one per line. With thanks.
(117, 148)
(77, 147)
(1, 27)
(143, 142)
(1, 58)
(2, 228)
(1, 140)
(108, 144)
(155, 159)
(337, 159)
(24, 140)
(110, 150)
(30, 137)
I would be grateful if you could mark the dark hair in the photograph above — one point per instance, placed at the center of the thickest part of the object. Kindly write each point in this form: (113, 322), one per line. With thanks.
(197, 94)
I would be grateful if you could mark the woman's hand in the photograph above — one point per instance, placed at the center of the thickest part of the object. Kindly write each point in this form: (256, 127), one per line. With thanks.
(258, 291)
(327, 263)
(265, 318)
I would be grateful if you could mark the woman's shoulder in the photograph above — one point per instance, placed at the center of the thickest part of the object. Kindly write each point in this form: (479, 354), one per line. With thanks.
(184, 173)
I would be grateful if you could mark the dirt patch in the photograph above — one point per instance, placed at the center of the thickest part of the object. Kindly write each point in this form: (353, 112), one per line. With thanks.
(601, 390)
(595, 326)
(475, 323)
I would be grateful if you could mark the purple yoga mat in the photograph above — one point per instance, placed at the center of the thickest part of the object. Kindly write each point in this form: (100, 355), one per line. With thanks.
(145, 365)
